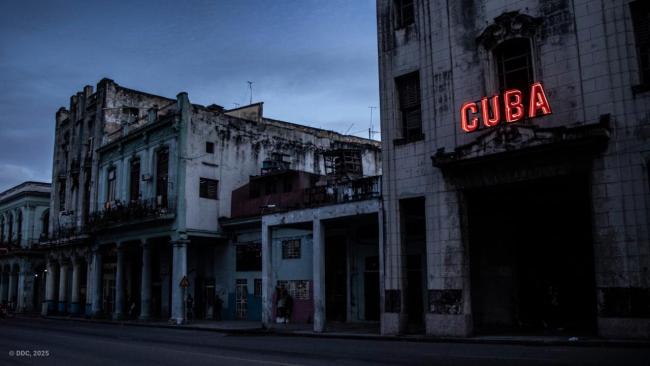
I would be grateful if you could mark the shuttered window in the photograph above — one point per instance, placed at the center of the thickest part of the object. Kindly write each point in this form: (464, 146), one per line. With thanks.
(640, 10)
(408, 90)
(208, 188)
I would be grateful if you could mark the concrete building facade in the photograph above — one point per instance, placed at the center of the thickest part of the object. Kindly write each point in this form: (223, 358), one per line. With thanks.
(24, 218)
(516, 156)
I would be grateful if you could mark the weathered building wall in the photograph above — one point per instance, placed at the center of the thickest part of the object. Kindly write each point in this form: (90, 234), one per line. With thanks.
(584, 54)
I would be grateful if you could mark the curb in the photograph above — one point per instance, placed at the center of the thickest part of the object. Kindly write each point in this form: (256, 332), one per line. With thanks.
(373, 337)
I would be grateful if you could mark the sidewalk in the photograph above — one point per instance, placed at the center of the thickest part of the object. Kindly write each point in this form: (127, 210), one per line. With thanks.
(360, 332)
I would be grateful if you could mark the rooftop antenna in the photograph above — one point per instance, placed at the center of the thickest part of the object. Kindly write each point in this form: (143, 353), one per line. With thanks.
(236, 104)
(370, 130)
(250, 86)
(348, 130)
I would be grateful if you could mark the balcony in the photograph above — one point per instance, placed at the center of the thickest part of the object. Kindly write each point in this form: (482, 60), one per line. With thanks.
(119, 213)
(342, 192)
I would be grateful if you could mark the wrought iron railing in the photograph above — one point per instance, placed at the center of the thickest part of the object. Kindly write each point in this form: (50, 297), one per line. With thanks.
(353, 190)
(118, 212)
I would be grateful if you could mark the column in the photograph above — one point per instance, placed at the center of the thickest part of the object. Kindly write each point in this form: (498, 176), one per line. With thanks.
(63, 287)
(20, 291)
(179, 270)
(2, 286)
(88, 306)
(267, 275)
(319, 275)
(119, 284)
(11, 294)
(98, 267)
(50, 282)
(145, 289)
(75, 307)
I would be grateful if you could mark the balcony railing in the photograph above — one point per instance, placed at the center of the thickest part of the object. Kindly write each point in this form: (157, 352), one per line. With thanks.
(119, 213)
(354, 190)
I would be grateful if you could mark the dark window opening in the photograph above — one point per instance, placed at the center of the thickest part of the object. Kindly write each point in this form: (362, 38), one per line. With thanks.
(62, 195)
(111, 185)
(248, 257)
(404, 13)
(134, 184)
(45, 224)
(208, 188)
(209, 147)
(130, 114)
(162, 176)
(291, 249)
(408, 90)
(641, 22)
(514, 65)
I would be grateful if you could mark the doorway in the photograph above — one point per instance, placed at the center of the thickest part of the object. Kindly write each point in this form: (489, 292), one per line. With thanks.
(531, 257)
(413, 223)
(336, 278)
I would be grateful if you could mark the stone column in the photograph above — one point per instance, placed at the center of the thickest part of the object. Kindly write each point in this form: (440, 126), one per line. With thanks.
(3, 276)
(75, 307)
(267, 275)
(63, 287)
(145, 289)
(49, 306)
(319, 275)
(119, 283)
(97, 269)
(179, 270)
(11, 294)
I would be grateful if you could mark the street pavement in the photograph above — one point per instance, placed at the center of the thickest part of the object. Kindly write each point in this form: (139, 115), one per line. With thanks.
(35, 341)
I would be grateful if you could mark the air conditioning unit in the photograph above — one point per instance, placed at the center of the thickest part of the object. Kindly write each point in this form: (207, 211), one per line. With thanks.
(146, 177)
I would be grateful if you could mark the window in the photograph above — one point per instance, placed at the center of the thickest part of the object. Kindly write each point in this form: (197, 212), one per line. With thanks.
(248, 257)
(134, 183)
(291, 249)
(514, 65)
(208, 188)
(640, 10)
(408, 90)
(162, 175)
(298, 289)
(209, 147)
(404, 13)
(45, 223)
(130, 114)
(111, 182)
(62, 195)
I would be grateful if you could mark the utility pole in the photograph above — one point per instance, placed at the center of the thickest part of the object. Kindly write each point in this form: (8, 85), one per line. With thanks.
(250, 86)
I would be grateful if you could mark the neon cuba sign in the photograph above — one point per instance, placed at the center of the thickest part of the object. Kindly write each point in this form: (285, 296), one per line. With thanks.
(513, 108)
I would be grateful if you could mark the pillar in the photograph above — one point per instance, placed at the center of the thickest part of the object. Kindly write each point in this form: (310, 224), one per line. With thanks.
(3, 276)
(88, 306)
(119, 284)
(75, 307)
(319, 275)
(267, 275)
(11, 294)
(145, 289)
(20, 291)
(50, 290)
(97, 269)
(179, 270)
(63, 287)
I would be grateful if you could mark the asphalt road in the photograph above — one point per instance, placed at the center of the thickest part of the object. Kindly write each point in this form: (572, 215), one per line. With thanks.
(78, 343)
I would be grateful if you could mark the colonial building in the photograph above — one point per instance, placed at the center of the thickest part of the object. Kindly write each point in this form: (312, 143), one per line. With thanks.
(142, 184)
(516, 152)
(24, 217)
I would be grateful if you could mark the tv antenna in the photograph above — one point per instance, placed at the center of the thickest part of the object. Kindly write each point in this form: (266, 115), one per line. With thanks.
(371, 131)
(250, 86)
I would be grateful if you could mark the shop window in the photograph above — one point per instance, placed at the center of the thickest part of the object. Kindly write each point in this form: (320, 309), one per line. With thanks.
(408, 90)
(111, 185)
(291, 249)
(404, 13)
(208, 188)
(297, 289)
(248, 257)
(514, 65)
(209, 147)
(640, 11)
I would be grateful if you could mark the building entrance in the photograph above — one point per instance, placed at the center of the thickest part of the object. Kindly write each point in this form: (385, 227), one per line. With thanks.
(531, 257)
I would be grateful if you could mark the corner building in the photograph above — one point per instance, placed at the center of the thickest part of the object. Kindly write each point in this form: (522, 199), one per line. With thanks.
(538, 225)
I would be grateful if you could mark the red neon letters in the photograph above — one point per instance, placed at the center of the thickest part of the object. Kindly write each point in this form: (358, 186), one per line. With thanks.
(513, 108)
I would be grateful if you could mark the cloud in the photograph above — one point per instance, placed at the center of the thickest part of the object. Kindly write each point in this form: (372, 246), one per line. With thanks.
(11, 175)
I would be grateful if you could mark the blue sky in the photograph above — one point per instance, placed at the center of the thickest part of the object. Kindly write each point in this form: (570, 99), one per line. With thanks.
(312, 62)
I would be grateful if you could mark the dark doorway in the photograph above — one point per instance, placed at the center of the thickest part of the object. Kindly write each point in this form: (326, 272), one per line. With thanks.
(531, 257)
(414, 238)
(371, 288)
(336, 278)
